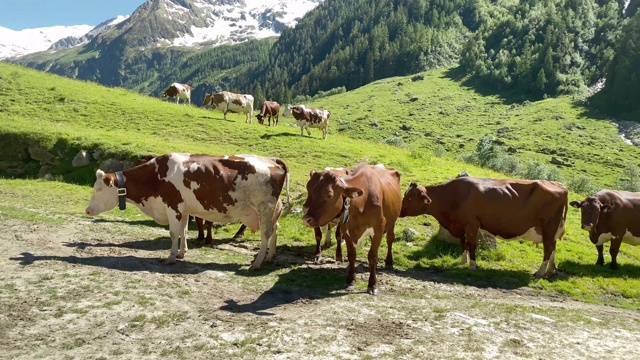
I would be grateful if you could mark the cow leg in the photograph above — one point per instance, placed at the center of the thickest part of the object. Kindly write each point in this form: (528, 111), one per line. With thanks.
(471, 237)
(613, 251)
(318, 234)
(308, 130)
(301, 130)
(339, 245)
(324, 132)
(327, 236)
(225, 115)
(184, 224)
(272, 243)
(600, 249)
(199, 222)
(351, 256)
(376, 239)
(265, 216)
(548, 266)
(465, 250)
(209, 239)
(240, 233)
(175, 231)
(388, 261)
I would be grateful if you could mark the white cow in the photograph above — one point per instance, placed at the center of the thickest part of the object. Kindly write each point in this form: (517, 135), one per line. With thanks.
(179, 91)
(227, 101)
(309, 117)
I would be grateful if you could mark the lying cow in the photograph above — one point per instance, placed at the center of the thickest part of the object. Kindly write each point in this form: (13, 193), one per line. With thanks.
(314, 179)
(226, 189)
(535, 210)
(270, 109)
(178, 91)
(229, 102)
(370, 201)
(309, 117)
(611, 215)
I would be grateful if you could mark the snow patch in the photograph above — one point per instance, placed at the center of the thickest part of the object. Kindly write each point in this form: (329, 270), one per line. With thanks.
(22, 42)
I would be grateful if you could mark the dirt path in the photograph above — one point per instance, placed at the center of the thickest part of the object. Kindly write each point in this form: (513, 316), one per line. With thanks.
(97, 290)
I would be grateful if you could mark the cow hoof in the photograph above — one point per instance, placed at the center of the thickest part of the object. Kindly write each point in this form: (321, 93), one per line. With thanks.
(254, 267)
(613, 266)
(170, 261)
(599, 263)
(350, 287)
(372, 291)
(537, 275)
(180, 256)
(317, 259)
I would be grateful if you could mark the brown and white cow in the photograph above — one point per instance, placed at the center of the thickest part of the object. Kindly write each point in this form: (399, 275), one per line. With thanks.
(370, 201)
(270, 109)
(222, 189)
(226, 101)
(178, 91)
(611, 215)
(535, 210)
(314, 179)
(309, 117)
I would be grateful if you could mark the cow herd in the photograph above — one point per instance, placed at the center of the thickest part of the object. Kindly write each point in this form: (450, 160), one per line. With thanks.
(358, 203)
(225, 101)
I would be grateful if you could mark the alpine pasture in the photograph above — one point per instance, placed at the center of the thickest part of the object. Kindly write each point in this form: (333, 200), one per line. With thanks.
(73, 286)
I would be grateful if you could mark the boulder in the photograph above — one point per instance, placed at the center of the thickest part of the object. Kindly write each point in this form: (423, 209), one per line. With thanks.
(39, 154)
(113, 165)
(81, 159)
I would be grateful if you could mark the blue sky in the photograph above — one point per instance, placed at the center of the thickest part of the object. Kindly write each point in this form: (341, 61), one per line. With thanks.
(22, 14)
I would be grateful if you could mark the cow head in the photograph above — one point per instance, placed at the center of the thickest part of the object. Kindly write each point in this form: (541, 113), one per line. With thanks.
(591, 208)
(325, 199)
(287, 110)
(207, 99)
(105, 194)
(414, 200)
(260, 118)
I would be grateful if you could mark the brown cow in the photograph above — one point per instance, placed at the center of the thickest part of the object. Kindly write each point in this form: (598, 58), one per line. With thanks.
(530, 209)
(223, 189)
(179, 91)
(314, 178)
(611, 215)
(370, 200)
(271, 109)
(309, 117)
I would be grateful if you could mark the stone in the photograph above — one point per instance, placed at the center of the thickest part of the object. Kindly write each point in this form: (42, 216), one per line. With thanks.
(81, 159)
(41, 155)
(409, 234)
(113, 165)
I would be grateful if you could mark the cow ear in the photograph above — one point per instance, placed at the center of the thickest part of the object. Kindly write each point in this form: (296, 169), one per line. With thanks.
(313, 172)
(606, 208)
(99, 174)
(576, 204)
(353, 192)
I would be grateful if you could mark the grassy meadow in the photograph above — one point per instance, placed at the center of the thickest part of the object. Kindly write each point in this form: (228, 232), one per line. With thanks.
(65, 116)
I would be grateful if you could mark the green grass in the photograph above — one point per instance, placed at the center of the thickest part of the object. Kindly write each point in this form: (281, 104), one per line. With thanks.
(64, 116)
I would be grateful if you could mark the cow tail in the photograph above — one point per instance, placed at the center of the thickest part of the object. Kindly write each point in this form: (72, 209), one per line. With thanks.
(286, 171)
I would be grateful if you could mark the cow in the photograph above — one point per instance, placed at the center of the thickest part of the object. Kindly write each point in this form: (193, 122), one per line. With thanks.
(271, 109)
(370, 201)
(314, 178)
(224, 189)
(611, 215)
(227, 101)
(179, 91)
(309, 117)
(535, 210)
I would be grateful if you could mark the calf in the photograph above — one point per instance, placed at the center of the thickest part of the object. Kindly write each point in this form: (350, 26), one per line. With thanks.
(226, 101)
(179, 91)
(314, 178)
(534, 210)
(370, 202)
(309, 117)
(223, 189)
(611, 215)
(271, 109)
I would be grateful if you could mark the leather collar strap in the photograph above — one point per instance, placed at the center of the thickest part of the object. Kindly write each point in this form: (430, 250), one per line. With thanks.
(122, 191)
(345, 210)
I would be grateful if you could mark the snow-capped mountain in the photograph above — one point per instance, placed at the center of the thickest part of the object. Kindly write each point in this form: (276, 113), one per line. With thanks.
(71, 41)
(21, 42)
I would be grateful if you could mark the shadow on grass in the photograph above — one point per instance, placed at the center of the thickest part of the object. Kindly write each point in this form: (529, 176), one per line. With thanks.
(269, 136)
(576, 269)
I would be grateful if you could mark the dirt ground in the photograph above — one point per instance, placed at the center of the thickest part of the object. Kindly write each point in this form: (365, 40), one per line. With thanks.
(97, 290)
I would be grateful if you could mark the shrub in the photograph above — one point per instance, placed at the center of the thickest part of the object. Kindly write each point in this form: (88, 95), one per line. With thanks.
(394, 141)
(582, 185)
(439, 151)
(630, 178)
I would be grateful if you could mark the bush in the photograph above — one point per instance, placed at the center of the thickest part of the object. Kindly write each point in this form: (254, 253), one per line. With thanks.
(630, 178)
(439, 151)
(582, 185)
(394, 141)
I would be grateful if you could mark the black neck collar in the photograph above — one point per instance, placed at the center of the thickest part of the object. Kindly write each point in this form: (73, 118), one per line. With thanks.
(122, 191)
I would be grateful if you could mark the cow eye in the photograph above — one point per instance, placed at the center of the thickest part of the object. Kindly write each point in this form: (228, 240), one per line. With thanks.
(329, 195)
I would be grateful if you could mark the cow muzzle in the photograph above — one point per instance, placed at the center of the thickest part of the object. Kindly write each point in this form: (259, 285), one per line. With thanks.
(309, 221)
(587, 227)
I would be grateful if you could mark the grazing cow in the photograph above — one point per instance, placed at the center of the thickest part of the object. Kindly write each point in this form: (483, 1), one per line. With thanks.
(314, 178)
(271, 109)
(611, 215)
(529, 209)
(309, 117)
(370, 201)
(227, 101)
(226, 189)
(178, 91)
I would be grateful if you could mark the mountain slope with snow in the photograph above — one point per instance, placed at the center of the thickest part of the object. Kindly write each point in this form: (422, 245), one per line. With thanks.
(21, 42)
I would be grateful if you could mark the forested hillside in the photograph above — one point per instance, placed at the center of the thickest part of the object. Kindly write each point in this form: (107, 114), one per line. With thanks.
(531, 49)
